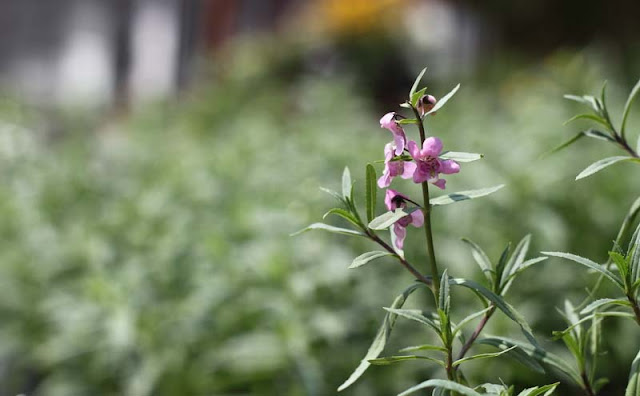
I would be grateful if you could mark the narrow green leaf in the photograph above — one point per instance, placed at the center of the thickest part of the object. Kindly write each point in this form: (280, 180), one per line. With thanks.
(621, 263)
(539, 391)
(502, 264)
(482, 356)
(443, 100)
(417, 95)
(588, 116)
(425, 347)
(334, 194)
(371, 192)
(602, 303)
(586, 99)
(445, 298)
(439, 383)
(600, 165)
(590, 264)
(573, 319)
(531, 355)
(460, 156)
(416, 315)
(414, 87)
(407, 121)
(616, 314)
(326, 227)
(500, 303)
(564, 145)
(381, 338)
(595, 134)
(481, 258)
(515, 261)
(464, 195)
(385, 361)
(471, 317)
(344, 214)
(634, 254)
(387, 219)
(526, 265)
(367, 258)
(627, 107)
(346, 183)
(406, 105)
(633, 386)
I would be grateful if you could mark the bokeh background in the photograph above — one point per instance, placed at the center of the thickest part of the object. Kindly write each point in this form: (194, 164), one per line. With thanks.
(155, 155)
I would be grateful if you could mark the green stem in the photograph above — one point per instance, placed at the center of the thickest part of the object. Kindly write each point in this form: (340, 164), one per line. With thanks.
(404, 262)
(426, 209)
(634, 306)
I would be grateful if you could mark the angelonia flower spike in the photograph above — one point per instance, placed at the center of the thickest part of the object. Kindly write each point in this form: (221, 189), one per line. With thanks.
(422, 161)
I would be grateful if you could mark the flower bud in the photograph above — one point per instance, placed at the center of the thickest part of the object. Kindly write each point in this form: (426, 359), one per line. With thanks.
(425, 104)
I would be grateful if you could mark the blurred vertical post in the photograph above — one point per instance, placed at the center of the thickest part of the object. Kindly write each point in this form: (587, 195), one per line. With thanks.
(122, 10)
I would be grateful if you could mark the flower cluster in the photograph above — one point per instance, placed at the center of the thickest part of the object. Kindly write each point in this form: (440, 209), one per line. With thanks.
(421, 165)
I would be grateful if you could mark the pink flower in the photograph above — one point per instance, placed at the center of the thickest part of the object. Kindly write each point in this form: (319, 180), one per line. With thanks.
(428, 165)
(389, 121)
(395, 200)
(394, 168)
(425, 104)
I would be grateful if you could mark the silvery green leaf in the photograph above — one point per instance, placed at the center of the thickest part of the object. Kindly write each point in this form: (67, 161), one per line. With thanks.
(627, 107)
(482, 356)
(588, 116)
(633, 386)
(414, 87)
(443, 100)
(425, 347)
(464, 195)
(346, 183)
(602, 303)
(385, 361)
(367, 258)
(539, 391)
(461, 156)
(481, 258)
(326, 227)
(533, 356)
(381, 338)
(387, 219)
(590, 264)
(416, 315)
(600, 165)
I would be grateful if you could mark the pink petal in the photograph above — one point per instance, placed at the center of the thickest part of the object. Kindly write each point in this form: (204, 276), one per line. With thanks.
(384, 180)
(417, 218)
(419, 176)
(431, 147)
(399, 138)
(388, 197)
(440, 183)
(388, 120)
(388, 152)
(449, 166)
(413, 149)
(409, 170)
(401, 233)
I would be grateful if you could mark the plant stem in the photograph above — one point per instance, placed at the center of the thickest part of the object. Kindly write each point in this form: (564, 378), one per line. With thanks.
(426, 209)
(476, 333)
(625, 146)
(404, 262)
(586, 385)
(634, 306)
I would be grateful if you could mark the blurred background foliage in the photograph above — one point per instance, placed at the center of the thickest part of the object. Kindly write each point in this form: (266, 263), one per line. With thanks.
(148, 252)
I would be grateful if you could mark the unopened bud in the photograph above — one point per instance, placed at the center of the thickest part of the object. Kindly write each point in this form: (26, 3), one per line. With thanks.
(426, 103)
